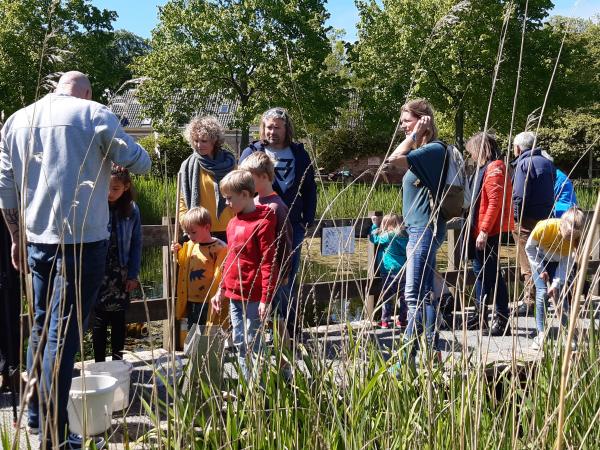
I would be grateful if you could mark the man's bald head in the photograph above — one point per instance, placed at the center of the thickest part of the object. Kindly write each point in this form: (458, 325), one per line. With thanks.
(76, 84)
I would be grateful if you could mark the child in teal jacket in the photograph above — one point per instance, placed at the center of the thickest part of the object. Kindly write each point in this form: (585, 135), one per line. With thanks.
(387, 233)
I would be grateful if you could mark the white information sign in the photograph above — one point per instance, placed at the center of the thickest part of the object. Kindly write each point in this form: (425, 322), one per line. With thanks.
(337, 240)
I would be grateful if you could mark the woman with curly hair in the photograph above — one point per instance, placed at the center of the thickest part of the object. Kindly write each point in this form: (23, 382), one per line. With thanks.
(202, 171)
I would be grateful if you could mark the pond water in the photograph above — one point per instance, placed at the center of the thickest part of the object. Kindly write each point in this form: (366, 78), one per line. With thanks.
(315, 268)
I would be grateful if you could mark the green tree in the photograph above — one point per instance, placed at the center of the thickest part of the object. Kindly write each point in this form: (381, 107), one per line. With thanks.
(261, 53)
(448, 52)
(572, 137)
(40, 37)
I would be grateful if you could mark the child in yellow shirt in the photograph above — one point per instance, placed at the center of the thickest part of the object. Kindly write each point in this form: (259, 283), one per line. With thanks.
(551, 253)
(199, 273)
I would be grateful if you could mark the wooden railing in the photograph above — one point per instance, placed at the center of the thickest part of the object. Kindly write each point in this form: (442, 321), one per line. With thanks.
(321, 293)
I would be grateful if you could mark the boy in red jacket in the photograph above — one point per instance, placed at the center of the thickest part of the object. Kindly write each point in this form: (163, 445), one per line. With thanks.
(249, 275)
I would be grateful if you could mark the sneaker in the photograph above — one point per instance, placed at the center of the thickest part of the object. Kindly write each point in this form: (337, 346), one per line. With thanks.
(76, 442)
(499, 328)
(524, 309)
(401, 323)
(474, 322)
(538, 342)
(384, 324)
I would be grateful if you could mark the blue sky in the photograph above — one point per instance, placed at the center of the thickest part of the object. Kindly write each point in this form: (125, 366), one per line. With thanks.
(140, 16)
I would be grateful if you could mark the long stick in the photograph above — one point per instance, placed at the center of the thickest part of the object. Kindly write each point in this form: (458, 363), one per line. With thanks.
(178, 199)
(566, 365)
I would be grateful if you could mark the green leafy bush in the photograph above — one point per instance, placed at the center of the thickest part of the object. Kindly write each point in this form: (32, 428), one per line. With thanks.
(338, 144)
(568, 137)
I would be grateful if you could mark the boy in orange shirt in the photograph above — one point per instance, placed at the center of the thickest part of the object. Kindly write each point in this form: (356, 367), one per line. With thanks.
(199, 274)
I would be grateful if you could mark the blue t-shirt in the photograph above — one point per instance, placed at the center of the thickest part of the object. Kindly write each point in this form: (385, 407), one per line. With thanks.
(285, 167)
(425, 172)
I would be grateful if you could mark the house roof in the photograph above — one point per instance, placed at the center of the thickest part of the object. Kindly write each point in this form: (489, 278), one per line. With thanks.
(130, 110)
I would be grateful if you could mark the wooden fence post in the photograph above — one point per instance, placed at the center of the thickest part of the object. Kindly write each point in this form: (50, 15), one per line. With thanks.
(371, 272)
(454, 241)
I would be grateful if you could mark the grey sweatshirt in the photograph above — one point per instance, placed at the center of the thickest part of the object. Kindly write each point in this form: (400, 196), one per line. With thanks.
(55, 158)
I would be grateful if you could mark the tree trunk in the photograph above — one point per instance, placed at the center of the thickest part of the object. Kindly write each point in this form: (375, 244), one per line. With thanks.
(245, 137)
(459, 125)
(245, 125)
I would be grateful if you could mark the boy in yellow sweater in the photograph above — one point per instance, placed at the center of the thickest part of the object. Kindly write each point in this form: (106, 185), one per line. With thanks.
(551, 252)
(199, 273)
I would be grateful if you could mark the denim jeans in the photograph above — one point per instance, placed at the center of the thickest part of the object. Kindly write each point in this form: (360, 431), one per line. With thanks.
(420, 298)
(541, 296)
(393, 296)
(486, 269)
(66, 281)
(286, 297)
(246, 324)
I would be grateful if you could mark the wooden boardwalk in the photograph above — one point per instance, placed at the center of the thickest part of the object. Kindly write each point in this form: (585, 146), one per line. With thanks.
(134, 422)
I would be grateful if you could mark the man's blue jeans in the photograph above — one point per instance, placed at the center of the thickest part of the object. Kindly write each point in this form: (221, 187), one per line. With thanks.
(286, 298)
(420, 266)
(66, 281)
(486, 270)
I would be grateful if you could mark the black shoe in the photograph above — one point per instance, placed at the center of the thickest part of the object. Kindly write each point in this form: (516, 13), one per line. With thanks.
(475, 321)
(524, 309)
(449, 322)
(500, 327)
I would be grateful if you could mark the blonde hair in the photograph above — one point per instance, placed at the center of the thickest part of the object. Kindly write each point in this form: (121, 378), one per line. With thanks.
(419, 108)
(277, 113)
(571, 223)
(391, 223)
(197, 216)
(205, 125)
(236, 182)
(259, 163)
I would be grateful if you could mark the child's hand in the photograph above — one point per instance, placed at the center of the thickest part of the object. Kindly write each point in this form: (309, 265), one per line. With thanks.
(216, 301)
(376, 220)
(175, 247)
(130, 285)
(552, 291)
(263, 311)
(544, 276)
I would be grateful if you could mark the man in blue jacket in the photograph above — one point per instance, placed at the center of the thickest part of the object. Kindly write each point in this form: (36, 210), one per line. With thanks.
(533, 200)
(295, 184)
(55, 164)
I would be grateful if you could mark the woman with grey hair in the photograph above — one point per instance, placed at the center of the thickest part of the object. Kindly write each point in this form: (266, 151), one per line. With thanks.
(202, 171)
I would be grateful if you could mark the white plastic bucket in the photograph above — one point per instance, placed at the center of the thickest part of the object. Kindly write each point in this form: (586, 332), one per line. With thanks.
(99, 391)
(119, 369)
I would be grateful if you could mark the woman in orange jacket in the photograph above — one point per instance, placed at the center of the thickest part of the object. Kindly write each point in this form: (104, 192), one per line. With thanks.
(491, 214)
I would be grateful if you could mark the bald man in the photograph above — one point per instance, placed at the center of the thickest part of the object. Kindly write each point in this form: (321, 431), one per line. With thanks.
(55, 163)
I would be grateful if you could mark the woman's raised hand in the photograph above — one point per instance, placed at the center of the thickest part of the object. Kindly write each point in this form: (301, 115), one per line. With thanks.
(421, 127)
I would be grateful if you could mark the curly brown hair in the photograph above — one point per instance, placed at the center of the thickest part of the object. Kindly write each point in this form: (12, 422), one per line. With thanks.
(205, 125)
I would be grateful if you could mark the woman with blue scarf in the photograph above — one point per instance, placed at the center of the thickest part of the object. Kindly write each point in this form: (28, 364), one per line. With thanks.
(202, 171)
